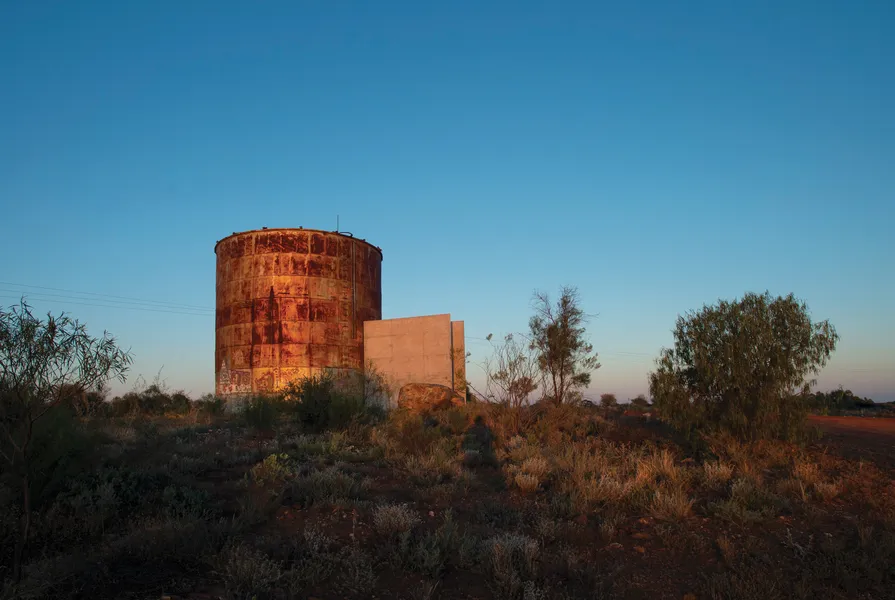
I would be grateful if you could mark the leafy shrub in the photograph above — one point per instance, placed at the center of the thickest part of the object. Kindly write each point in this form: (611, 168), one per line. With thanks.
(768, 346)
(60, 449)
(274, 468)
(405, 434)
(260, 412)
(319, 406)
(210, 405)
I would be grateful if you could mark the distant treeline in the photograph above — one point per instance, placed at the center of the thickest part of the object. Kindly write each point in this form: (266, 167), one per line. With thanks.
(153, 400)
(843, 401)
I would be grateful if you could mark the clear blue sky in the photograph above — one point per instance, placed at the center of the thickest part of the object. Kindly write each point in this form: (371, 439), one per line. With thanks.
(657, 155)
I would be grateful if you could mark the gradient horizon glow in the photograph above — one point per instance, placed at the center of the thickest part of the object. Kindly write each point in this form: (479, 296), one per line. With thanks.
(658, 156)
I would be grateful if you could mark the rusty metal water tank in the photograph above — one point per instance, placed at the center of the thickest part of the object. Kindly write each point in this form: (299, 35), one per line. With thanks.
(290, 303)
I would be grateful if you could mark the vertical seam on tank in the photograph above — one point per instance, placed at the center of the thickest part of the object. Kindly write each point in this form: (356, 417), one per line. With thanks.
(252, 298)
(451, 328)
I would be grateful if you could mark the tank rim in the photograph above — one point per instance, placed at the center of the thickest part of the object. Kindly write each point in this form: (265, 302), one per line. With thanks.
(339, 233)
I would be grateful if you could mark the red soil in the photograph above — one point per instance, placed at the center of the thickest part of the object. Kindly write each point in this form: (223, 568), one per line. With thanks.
(875, 426)
(860, 438)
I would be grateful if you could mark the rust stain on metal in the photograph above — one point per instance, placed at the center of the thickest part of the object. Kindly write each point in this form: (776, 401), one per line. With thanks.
(291, 302)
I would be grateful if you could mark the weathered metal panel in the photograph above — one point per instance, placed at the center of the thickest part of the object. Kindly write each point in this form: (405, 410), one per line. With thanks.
(290, 303)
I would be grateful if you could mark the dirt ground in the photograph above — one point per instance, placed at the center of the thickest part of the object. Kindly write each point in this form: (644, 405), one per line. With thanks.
(860, 438)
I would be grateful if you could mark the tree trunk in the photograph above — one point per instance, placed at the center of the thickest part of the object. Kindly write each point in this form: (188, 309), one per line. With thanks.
(22, 544)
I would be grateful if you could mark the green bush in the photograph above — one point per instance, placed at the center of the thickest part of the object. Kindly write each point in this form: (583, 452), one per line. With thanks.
(310, 398)
(260, 412)
(60, 448)
(319, 406)
(742, 367)
(210, 405)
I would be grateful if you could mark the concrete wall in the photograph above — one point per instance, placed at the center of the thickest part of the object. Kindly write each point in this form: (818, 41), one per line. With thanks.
(458, 356)
(417, 350)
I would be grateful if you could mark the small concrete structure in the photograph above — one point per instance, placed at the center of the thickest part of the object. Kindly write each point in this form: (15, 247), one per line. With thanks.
(430, 349)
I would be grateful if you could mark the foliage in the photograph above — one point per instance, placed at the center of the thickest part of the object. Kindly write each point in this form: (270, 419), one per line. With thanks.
(260, 412)
(608, 402)
(153, 400)
(329, 486)
(640, 402)
(742, 367)
(511, 372)
(210, 404)
(322, 402)
(837, 401)
(392, 519)
(274, 468)
(44, 364)
(247, 571)
(558, 336)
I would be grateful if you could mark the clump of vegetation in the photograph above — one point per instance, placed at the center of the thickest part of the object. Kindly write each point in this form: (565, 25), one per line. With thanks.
(328, 486)
(247, 572)
(392, 519)
(289, 499)
(44, 365)
(742, 367)
(322, 402)
(513, 562)
(275, 468)
(843, 402)
(260, 412)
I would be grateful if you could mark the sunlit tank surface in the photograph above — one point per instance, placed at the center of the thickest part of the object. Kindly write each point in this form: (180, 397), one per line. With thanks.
(291, 303)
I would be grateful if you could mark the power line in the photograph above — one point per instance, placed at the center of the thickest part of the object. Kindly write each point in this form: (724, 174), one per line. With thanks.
(129, 298)
(66, 297)
(138, 308)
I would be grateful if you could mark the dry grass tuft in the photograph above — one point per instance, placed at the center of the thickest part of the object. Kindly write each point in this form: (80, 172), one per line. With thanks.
(827, 490)
(657, 467)
(716, 474)
(526, 482)
(806, 471)
(671, 505)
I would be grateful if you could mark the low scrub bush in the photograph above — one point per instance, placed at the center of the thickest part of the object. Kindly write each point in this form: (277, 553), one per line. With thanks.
(329, 486)
(246, 571)
(212, 406)
(435, 467)
(276, 468)
(393, 519)
(355, 569)
(260, 412)
(318, 405)
(748, 502)
(312, 558)
(512, 561)
(405, 434)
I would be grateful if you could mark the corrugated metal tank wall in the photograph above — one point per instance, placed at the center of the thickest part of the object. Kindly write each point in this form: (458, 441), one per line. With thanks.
(291, 302)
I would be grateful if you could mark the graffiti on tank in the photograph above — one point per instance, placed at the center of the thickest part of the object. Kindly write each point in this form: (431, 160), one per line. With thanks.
(232, 382)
